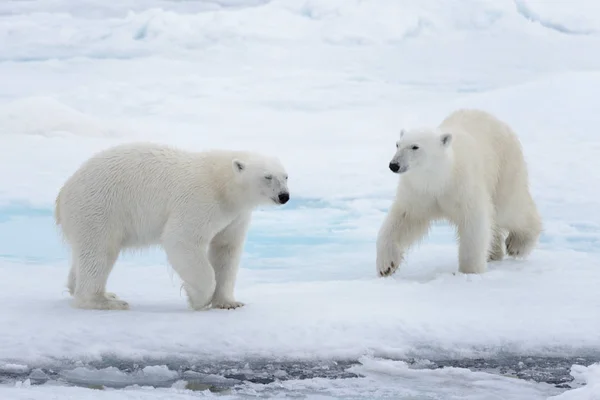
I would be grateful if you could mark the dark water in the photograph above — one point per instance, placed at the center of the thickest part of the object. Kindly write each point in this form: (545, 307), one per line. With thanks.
(221, 376)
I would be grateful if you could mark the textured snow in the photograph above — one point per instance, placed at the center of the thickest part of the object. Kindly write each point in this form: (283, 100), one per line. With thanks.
(590, 376)
(580, 17)
(426, 311)
(326, 85)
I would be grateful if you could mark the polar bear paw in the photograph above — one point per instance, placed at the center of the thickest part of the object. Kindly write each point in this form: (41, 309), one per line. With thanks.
(495, 255)
(101, 302)
(518, 245)
(388, 260)
(227, 305)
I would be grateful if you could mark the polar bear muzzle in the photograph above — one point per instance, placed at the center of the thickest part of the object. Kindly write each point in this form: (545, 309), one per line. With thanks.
(397, 169)
(283, 197)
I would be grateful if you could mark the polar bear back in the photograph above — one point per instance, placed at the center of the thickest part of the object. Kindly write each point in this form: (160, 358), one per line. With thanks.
(485, 144)
(131, 190)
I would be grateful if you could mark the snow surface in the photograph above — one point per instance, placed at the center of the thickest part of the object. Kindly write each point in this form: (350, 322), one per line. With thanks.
(326, 85)
(588, 375)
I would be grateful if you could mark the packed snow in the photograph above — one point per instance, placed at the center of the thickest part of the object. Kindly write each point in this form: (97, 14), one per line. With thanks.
(326, 86)
(590, 376)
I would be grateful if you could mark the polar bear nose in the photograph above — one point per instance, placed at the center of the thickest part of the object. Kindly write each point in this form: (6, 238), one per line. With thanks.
(395, 167)
(284, 197)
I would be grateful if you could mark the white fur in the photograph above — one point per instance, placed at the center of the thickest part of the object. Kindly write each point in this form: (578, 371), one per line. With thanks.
(469, 171)
(197, 206)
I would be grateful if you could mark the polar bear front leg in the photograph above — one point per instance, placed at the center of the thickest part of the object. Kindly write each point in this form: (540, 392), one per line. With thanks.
(398, 232)
(188, 258)
(475, 235)
(224, 253)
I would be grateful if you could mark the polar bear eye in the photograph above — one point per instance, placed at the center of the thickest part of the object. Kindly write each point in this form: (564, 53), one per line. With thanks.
(269, 177)
(286, 177)
(415, 147)
(397, 144)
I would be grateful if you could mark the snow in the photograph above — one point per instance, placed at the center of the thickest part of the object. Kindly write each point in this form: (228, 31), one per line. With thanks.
(571, 18)
(426, 311)
(588, 375)
(326, 85)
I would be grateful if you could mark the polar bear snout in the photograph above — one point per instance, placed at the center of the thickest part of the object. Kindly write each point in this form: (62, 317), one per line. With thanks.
(397, 169)
(283, 197)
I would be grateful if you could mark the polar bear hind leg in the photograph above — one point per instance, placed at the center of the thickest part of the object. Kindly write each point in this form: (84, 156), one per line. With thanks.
(524, 228)
(522, 240)
(72, 282)
(93, 266)
(496, 252)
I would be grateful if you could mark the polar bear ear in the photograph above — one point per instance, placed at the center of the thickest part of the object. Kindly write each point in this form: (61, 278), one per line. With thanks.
(446, 139)
(238, 166)
(402, 132)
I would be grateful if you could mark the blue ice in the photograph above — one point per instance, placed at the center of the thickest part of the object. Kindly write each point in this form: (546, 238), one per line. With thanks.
(28, 234)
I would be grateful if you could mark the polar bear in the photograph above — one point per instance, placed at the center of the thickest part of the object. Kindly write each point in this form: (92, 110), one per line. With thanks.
(470, 170)
(196, 205)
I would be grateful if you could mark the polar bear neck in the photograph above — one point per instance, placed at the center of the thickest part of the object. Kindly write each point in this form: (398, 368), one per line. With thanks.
(231, 191)
(433, 180)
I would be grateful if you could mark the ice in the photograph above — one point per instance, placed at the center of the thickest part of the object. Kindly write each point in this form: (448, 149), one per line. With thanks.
(13, 368)
(326, 85)
(158, 375)
(590, 376)
(576, 17)
(379, 379)
(395, 379)
(28, 392)
(46, 116)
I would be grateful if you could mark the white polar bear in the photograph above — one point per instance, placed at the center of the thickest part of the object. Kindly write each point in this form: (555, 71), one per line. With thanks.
(470, 171)
(196, 205)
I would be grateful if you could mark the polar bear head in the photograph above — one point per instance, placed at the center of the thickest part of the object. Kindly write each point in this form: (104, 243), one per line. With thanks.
(263, 179)
(422, 151)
